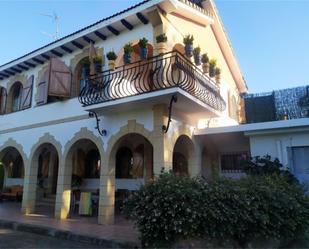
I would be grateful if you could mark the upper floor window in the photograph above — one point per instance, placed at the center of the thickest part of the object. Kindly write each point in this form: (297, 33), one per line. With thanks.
(81, 73)
(3, 97)
(55, 83)
(16, 96)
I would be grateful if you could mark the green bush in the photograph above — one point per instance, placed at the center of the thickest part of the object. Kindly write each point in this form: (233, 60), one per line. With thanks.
(241, 211)
(267, 166)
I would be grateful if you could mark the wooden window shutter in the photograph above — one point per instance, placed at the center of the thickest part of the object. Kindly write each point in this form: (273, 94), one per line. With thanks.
(26, 97)
(3, 97)
(60, 79)
(42, 88)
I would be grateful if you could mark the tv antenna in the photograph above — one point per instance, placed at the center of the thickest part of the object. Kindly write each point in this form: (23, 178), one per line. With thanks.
(55, 18)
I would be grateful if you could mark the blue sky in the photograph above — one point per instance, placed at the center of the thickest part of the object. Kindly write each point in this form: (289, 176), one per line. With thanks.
(270, 38)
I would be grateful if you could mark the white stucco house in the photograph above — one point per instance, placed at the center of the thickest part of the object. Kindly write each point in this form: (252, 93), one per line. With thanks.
(69, 123)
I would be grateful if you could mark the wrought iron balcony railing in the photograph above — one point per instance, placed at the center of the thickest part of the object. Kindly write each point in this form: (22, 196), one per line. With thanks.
(161, 72)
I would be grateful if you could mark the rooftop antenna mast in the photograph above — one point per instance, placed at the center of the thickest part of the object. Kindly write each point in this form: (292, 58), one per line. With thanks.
(56, 19)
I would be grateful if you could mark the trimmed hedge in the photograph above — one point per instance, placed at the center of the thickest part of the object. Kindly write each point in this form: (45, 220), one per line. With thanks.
(176, 208)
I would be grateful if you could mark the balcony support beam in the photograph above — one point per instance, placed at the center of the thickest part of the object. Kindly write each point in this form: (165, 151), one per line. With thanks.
(170, 108)
(102, 132)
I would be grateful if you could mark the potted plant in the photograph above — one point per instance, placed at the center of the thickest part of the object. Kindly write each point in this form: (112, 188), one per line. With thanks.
(161, 43)
(143, 48)
(98, 63)
(197, 55)
(218, 75)
(128, 50)
(205, 61)
(111, 56)
(188, 41)
(212, 67)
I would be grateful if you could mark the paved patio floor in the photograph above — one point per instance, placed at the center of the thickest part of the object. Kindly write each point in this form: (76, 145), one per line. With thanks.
(122, 231)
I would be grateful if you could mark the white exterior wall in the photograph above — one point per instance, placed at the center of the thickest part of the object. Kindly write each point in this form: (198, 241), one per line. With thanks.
(276, 145)
(68, 108)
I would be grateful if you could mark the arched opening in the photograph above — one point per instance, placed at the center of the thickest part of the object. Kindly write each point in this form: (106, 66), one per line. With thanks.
(14, 98)
(13, 167)
(83, 163)
(45, 164)
(81, 73)
(132, 158)
(182, 155)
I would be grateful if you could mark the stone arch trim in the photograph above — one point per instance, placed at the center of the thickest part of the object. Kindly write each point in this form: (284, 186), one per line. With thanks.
(183, 130)
(47, 138)
(84, 133)
(12, 143)
(74, 62)
(17, 78)
(131, 127)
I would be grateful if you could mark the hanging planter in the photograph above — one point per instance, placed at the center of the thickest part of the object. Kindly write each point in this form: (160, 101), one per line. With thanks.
(161, 44)
(188, 41)
(205, 65)
(143, 48)
(212, 67)
(128, 50)
(197, 55)
(112, 57)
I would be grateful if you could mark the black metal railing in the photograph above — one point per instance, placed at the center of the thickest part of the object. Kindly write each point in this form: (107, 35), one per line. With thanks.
(165, 71)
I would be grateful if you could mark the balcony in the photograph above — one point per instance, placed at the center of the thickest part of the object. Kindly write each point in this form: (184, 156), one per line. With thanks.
(155, 75)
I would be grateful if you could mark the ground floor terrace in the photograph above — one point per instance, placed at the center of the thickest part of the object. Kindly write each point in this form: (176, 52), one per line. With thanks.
(69, 170)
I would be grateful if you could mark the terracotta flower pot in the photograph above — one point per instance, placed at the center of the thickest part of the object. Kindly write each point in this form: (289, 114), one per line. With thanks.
(205, 68)
(161, 48)
(218, 79)
(111, 65)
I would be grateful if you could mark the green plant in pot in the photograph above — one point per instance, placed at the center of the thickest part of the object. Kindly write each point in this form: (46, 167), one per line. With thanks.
(143, 48)
(205, 63)
(212, 67)
(98, 63)
(128, 50)
(197, 55)
(161, 43)
(188, 41)
(112, 57)
(218, 75)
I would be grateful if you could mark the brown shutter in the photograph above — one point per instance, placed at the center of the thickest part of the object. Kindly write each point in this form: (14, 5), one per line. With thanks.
(3, 97)
(60, 79)
(26, 97)
(42, 88)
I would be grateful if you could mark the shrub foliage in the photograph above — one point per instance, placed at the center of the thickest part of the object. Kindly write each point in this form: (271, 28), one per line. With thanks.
(256, 207)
